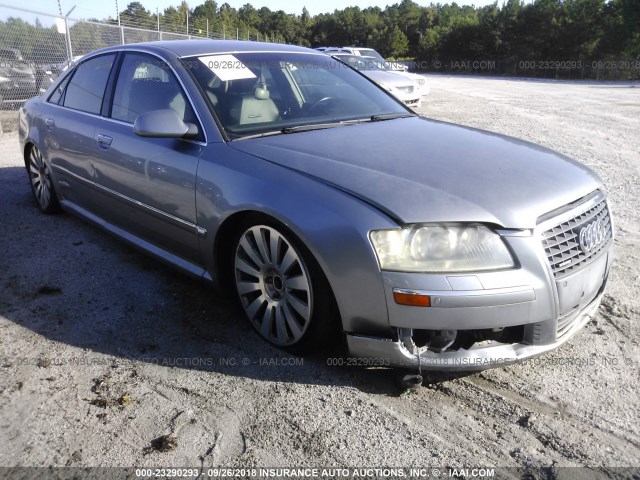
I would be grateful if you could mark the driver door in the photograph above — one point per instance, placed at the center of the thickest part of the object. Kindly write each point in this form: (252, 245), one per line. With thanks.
(151, 180)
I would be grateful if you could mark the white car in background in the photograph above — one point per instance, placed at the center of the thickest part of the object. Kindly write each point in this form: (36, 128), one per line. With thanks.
(401, 87)
(370, 53)
(419, 80)
(382, 64)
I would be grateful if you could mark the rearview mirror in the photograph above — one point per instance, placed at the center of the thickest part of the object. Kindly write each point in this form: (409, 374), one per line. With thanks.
(163, 124)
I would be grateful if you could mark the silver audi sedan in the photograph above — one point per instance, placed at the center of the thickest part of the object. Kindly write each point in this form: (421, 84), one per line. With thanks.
(324, 204)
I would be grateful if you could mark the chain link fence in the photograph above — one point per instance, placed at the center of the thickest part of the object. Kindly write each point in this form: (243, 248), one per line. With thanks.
(36, 47)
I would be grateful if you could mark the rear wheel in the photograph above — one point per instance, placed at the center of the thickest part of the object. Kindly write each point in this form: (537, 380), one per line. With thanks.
(281, 288)
(41, 184)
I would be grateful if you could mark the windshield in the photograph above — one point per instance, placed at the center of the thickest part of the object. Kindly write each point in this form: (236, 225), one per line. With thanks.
(370, 52)
(257, 92)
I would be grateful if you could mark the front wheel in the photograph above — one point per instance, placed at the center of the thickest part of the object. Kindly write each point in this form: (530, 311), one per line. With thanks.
(281, 288)
(41, 183)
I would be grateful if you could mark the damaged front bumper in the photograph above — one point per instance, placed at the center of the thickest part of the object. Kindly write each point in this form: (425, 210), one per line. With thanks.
(399, 353)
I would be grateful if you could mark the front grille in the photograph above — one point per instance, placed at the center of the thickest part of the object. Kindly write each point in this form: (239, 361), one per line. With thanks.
(562, 242)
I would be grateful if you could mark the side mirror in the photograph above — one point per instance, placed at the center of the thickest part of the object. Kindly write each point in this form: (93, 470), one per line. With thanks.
(163, 124)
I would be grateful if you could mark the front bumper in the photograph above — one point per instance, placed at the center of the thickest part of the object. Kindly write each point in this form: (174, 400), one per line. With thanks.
(488, 319)
(18, 89)
(410, 100)
(394, 353)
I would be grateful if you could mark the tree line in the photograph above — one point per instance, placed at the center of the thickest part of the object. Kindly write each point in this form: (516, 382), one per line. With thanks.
(546, 38)
(552, 38)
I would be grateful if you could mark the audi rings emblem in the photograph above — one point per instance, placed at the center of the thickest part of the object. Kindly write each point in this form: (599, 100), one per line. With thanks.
(592, 235)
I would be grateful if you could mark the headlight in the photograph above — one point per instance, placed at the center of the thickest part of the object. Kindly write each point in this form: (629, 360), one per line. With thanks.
(439, 248)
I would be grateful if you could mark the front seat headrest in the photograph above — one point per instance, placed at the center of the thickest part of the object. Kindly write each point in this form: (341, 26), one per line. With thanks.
(261, 93)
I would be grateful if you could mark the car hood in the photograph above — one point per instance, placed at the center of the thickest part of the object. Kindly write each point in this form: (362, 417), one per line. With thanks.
(421, 170)
(387, 78)
(412, 76)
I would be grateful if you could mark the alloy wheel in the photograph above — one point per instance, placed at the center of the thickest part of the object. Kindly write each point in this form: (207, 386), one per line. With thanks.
(274, 285)
(40, 178)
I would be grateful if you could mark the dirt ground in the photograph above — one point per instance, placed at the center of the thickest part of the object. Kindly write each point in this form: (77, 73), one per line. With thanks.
(8, 120)
(103, 351)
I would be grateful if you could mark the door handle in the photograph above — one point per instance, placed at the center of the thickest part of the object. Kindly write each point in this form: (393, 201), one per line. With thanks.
(104, 141)
(49, 122)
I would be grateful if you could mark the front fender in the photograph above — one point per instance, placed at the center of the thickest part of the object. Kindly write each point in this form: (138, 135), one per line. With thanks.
(332, 224)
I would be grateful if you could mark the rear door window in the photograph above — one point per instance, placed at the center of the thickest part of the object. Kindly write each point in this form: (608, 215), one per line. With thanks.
(56, 96)
(86, 88)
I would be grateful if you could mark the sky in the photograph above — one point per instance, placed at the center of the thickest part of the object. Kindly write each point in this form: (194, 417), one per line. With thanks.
(105, 8)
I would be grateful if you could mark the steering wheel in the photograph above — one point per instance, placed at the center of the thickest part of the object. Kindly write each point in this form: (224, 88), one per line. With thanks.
(323, 102)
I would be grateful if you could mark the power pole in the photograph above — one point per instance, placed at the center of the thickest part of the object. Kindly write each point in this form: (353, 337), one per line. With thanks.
(66, 27)
(119, 25)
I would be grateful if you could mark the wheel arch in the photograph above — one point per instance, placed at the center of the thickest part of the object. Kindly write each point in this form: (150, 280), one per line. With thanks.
(26, 151)
(229, 228)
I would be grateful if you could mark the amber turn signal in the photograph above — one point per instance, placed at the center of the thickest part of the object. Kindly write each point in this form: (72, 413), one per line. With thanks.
(412, 299)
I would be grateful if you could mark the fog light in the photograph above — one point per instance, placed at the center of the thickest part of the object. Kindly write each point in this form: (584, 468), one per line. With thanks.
(411, 298)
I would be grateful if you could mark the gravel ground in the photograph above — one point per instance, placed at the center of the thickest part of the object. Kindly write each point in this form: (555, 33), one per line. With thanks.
(103, 351)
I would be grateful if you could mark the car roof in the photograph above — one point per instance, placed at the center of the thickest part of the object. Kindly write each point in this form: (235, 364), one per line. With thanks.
(188, 48)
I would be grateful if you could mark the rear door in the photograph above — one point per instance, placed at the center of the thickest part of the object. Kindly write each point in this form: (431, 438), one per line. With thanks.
(151, 180)
(70, 117)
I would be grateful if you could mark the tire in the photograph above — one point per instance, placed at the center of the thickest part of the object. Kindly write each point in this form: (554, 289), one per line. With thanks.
(281, 288)
(41, 183)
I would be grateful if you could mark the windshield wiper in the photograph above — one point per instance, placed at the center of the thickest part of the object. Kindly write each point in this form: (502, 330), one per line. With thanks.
(315, 126)
(391, 116)
(322, 126)
(259, 135)
(296, 129)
